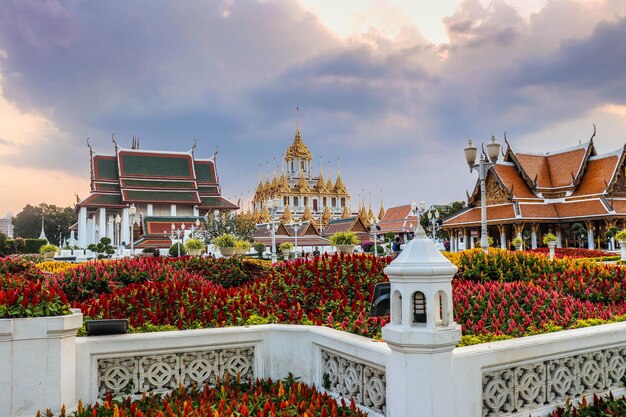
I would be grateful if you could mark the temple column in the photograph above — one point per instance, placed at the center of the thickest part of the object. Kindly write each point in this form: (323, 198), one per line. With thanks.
(196, 212)
(102, 223)
(173, 210)
(590, 242)
(453, 241)
(471, 241)
(150, 210)
(502, 230)
(82, 227)
(465, 239)
(533, 235)
(559, 236)
(110, 223)
(93, 229)
(125, 235)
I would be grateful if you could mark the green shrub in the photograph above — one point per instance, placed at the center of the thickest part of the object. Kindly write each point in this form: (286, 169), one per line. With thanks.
(194, 244)
(548, 238)
(285, 246)
(621, 235)
(225, 241)
(48, 248)
(33, 245)
(174, 249)
(344, 238)
(259, 247)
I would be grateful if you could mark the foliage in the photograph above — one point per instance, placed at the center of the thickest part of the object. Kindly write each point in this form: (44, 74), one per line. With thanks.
(579, 233)
(177, 249)
(194, 244)
(286, 398)
(549, 238)
(57, 221)
(227, 223)
(517, 241)
(23, 297)
(49, 248)
(598, 407)
(344, 238)
(285, 247)
(611, 232)
(225, 241)
(577, 253)
(55, 267)
(154, 251)
(243, 246)
(621, 235)
(102, 248)
(259, 248)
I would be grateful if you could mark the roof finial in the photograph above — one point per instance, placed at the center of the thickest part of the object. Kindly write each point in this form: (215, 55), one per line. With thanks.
(594, 133)
(90, 148)
(338, 167)
(297, 118)
(193, 148)
(114, 141)
(267, 175)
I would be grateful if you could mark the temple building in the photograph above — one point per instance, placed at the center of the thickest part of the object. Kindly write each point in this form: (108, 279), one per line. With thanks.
(6, 225)
(148, 192)
(531, 194)
(303, 195)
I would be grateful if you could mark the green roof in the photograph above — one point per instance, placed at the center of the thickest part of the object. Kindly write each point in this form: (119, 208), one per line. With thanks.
(155, 165)
(216, 202)
(208, 189)
(106, 186)
(104, 199)
(105, 168)
(204, 172)
(127, 182)
(161, 196)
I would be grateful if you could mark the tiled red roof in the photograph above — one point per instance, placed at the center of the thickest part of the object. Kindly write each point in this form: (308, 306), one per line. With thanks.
(538, 211)
(555, 169)
(512, 180)
(396, 213)
(619, 206)
(598, 175)
(585, 208)
(472, 215)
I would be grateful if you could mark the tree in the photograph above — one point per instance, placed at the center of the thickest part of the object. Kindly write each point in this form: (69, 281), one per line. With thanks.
(579, 233)
(445, 211)
(57, 221)
(225, 222)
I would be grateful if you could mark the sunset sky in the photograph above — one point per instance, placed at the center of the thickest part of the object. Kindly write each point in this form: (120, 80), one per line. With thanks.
(392, 88)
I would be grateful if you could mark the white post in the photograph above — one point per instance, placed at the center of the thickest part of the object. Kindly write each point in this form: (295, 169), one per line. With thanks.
(150, 210)
(82, 227)
(533, 238)
(590, 243)
(196, 212)
(503, 238)
(110, 223)
(173, 210)
(102, 223)
(93, 229)
(422, 332)
(622, 246)
(471, 239)
(559, 243)
(125, 227)
(466, 238)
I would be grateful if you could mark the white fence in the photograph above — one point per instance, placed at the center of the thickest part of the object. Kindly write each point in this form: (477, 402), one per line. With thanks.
(521, 377)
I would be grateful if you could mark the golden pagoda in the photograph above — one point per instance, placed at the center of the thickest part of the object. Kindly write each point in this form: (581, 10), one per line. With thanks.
(327, 215)
(286, 217)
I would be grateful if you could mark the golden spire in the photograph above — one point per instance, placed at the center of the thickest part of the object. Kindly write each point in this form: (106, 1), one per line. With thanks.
(267, 188)
(326, 216)
(286, 217)
(370, 212)
(307, 216)
(329, 184)
(382, 211)
(264, 216)
(346, 213)
(340, 187)
(303, 186)
(255, 215)
(363, 216)
(274, 187)
(298, 149)
(321, 185)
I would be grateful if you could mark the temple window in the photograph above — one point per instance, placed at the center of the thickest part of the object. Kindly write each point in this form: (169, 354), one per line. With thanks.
(306, 201)
(325, 201)
(285, 200)
(419, 307)
(343, 201)
(295, 201)
(302, 166)
(291, 166)
(334, 202)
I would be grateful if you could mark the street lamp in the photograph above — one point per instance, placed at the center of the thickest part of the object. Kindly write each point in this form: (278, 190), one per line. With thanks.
(118, 220)
(132, 210)
(272, 206)
(177, 233)
(296, 227)
(493, 150)
(417, 209)
(433, 217)
(374, 223)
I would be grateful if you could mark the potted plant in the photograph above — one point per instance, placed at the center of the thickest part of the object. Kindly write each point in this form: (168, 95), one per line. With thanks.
(621, 238)
(259, 247)
(517, 242)
(550, 240)
(48, 251)
(226, 244)
(285, 248)
(344, 241)
(194, 246)
(242, 247)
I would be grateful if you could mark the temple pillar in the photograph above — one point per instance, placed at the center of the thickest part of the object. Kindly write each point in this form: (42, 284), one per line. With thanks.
(471, 241)
(196, 212)
(150, 210)
(110, 223)
(453, 241)
(102, 223)
(94, 224)
(559, 236)
(125, 235)
(502, 230)
(590, 242)
(82, 227)
(533, 235)
(173, 210)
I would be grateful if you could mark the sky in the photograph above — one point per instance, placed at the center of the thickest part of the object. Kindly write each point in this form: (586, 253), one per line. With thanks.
(392, 89)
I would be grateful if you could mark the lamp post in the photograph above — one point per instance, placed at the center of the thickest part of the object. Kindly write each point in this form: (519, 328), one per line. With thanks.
(177, 233)
(374, 223)
(272, 205)
(296, 227)
(132, 210)
(417, 209)
(493, 150)
(433, 216)
(118, 220)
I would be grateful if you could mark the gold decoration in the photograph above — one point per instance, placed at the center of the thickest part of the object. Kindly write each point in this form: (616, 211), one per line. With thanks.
(298, 149)
(307, 216)
(303, 186)
(496, 193)
(326, 216)
(346, 213)
(264, 216)
(364, 217)
(286, 217)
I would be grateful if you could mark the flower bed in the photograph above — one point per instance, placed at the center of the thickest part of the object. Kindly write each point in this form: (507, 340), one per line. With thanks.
(575, 253)
(286, 398)
(599, 407)
(496, 296)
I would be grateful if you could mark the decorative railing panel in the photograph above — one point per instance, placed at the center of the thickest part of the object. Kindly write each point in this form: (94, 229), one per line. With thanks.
(134, 375)
(523, 388)
(347, 378)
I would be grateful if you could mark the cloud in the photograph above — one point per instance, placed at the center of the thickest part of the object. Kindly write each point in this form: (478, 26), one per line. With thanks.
(231, 74)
